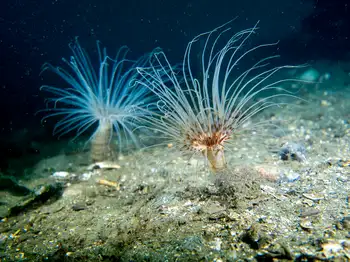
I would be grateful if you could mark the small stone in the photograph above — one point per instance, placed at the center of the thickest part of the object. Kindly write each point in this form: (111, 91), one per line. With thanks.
(306, 225)
(79, 207)
(346, 223)
(86, 176)
(307, 212)
(325, 103)
(215, 211)
(330, 248)
(293, 151)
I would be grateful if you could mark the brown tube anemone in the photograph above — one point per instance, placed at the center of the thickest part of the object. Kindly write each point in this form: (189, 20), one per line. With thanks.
(203, 112)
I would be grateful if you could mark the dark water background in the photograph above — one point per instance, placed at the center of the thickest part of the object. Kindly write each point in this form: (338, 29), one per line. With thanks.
(33, 32)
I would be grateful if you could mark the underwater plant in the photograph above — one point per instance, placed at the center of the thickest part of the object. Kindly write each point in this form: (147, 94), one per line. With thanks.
(204, 112)
(108, 99)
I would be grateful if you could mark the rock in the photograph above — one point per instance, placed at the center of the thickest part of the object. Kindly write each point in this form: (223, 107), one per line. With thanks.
(39, 196)
(293, 151)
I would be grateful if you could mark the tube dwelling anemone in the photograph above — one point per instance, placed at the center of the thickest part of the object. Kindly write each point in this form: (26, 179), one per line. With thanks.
(204, 114)
(107, 99)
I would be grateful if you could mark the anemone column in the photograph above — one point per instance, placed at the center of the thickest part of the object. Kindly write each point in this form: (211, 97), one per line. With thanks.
(101, 146)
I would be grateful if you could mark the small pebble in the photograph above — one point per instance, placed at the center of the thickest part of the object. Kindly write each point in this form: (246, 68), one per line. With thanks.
(291, 176)
(79, 207)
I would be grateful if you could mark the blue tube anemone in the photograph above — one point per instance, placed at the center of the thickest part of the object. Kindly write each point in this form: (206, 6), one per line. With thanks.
(108, 98)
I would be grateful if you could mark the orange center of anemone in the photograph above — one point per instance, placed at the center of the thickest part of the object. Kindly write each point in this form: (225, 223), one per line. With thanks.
(214, 140)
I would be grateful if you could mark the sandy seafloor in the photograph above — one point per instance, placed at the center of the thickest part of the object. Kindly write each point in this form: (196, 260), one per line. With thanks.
(166, 207)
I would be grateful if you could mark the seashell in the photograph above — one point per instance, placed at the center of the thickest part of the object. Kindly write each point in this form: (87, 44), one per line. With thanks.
(103, 165)
(105, 182)
(313, 197)
(62, 175)
(308, 202)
